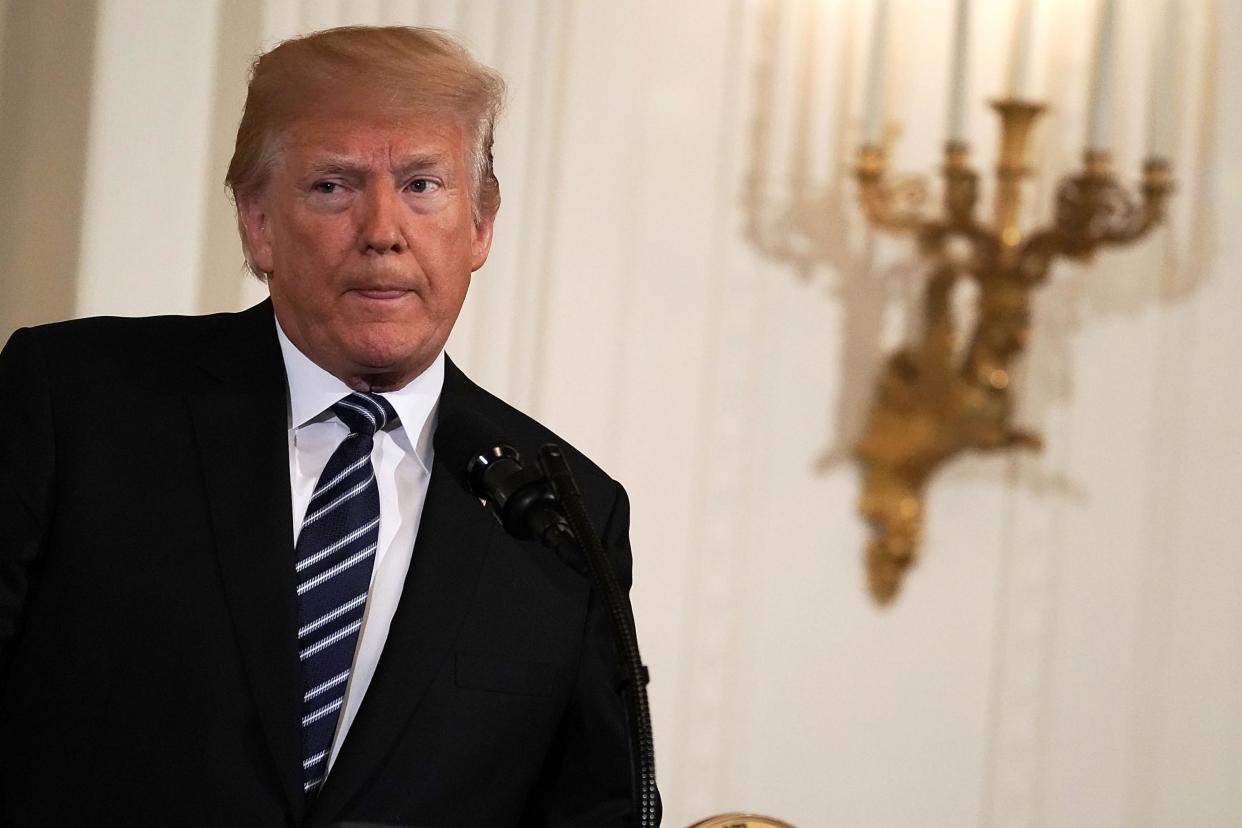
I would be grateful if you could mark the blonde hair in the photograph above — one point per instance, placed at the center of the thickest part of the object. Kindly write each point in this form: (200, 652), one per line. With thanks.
(388, 71)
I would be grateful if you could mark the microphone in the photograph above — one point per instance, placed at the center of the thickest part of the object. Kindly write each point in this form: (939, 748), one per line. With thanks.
(545, 503)
(488, 467)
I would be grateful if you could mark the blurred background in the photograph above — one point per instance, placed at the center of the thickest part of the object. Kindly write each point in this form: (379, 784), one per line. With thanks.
(679, 208)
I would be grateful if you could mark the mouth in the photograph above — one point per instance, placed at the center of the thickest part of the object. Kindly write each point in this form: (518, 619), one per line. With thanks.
(381, 293)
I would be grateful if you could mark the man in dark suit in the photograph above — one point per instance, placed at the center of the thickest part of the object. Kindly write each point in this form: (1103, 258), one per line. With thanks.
(175, 498)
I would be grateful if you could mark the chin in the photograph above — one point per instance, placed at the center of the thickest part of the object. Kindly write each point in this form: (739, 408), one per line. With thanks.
(373, 358)
(388, 347)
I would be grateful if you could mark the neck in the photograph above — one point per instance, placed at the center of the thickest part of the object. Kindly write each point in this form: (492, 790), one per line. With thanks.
(377, 383)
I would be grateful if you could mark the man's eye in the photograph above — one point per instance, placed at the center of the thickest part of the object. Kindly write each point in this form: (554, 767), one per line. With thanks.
(423, 185)
(326, 187)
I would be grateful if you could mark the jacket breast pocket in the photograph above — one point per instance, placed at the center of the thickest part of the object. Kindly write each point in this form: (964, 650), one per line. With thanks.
(501, 675)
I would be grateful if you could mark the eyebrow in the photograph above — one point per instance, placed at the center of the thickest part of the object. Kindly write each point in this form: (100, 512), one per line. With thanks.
(423, 161)
(347, 166)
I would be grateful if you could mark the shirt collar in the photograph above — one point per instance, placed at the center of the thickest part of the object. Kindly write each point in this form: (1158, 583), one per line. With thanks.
(312, 391)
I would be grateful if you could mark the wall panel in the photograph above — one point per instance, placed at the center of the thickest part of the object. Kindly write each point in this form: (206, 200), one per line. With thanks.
(146, 173)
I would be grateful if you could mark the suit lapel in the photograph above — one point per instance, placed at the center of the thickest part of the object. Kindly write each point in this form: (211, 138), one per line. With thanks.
(240, 421)
(454, 536)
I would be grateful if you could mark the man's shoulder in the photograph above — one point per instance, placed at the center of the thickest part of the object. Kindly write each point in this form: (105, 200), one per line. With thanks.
(156, 343)
(144, 332)
(523, 431)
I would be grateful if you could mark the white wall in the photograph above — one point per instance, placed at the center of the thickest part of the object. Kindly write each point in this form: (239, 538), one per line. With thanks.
(146, 174)
(1069, 650)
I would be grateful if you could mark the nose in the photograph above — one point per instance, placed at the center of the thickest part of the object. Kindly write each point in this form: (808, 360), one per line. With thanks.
(380, 222)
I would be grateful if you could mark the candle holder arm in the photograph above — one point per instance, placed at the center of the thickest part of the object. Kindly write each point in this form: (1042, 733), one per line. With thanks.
(1094, 209)
(892, 203)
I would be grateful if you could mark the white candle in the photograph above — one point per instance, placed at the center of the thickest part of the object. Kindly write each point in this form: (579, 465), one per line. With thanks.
(1102, 78)
(875, 74)
(959, 63)
(1020, 55)
(1161, 100)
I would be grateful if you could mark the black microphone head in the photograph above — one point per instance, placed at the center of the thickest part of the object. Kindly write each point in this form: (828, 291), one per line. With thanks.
(468, 443)
(484, 463)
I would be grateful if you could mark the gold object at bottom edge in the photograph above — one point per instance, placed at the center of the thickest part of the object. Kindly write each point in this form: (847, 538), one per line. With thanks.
(741, 820)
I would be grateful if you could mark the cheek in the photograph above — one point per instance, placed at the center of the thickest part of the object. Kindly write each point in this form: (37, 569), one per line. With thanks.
(310, 256)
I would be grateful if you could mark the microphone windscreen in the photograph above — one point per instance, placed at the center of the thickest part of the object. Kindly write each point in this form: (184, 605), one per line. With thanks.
(460, 437)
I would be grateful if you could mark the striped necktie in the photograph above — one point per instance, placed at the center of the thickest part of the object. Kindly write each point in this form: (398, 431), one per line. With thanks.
(335, 554)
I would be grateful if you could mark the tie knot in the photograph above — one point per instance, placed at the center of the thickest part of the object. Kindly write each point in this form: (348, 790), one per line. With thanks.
(364, 413)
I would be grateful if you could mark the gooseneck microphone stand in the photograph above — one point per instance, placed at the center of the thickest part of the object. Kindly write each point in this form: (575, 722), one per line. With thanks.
(584, 536)
(545, 504)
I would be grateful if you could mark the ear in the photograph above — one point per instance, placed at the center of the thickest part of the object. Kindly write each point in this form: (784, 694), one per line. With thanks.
(256, 230)
(481, 241)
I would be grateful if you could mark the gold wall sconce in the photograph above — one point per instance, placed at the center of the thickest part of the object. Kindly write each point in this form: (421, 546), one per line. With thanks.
(949, 390)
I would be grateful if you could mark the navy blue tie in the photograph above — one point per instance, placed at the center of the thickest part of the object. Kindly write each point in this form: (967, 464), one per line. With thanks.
(335, 554)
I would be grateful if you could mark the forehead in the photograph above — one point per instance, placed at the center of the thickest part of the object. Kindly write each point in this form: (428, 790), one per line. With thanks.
(372, 140)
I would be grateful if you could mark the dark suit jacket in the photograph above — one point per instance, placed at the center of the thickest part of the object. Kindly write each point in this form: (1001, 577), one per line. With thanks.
(147, 614)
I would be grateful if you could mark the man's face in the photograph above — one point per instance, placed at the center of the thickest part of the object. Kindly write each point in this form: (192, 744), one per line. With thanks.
(367, 234)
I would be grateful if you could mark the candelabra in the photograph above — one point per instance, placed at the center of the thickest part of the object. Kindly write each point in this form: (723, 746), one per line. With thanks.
(950, 390)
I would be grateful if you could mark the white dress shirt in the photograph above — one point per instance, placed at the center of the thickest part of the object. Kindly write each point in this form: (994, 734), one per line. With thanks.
(402, 472)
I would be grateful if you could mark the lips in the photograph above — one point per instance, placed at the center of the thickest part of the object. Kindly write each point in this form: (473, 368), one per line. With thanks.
(380, 293)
